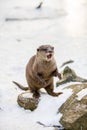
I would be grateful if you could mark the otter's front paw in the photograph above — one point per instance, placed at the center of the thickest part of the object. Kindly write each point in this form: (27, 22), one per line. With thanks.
(43, 82)
(59, 76)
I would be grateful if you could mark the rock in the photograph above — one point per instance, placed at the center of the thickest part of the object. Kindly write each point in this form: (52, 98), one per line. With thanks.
(27, 101)
(74, 110)
(69, 75)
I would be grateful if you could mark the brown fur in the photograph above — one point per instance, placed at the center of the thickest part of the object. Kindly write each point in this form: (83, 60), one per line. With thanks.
(40, 71)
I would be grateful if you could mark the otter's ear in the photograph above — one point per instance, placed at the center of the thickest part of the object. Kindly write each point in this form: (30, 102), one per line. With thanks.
(38, 49)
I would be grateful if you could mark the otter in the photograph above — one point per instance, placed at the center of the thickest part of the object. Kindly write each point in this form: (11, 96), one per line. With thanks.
(40, 71)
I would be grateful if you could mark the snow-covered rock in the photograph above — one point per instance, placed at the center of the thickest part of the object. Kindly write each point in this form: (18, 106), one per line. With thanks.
(74, 110)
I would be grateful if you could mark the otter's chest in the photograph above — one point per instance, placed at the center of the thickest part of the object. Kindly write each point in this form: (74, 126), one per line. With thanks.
(45, 70)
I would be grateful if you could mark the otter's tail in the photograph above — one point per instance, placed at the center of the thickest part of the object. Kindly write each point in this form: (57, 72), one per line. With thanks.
(20, 86)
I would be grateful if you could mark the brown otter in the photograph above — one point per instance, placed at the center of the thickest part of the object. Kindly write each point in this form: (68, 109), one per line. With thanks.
(40, 71)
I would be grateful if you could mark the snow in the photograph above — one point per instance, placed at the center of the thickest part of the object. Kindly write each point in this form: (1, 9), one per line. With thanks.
(63, 24)
(27, 95)
(82, 93)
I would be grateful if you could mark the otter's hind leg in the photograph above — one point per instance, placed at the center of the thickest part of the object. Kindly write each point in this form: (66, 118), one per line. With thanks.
(51, 92)
(33, 89)
(36, 93)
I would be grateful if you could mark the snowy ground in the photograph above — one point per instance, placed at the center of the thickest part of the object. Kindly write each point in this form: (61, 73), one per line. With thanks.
(61, 23)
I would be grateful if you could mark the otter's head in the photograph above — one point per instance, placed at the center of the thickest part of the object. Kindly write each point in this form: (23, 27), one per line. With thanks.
(45, 52)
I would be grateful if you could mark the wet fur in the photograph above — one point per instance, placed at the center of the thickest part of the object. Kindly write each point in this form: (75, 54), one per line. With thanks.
(40, 72)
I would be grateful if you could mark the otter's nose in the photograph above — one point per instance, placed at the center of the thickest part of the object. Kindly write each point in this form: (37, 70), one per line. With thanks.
(49, 50)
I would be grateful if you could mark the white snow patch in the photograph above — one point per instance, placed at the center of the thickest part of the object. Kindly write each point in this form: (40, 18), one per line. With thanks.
(34, 14)
(63, 97)
(82, 93)
(48, 108)
(27, 95)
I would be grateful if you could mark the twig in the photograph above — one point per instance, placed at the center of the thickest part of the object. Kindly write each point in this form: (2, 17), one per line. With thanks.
(60, 127)
(67, 62)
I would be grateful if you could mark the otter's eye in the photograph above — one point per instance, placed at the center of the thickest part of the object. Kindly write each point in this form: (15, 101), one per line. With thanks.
(44, 49)
(38, 49)
(52, 48)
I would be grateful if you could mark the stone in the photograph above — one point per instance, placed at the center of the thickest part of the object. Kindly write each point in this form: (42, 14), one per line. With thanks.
(69, 75)
(27, 101)
(74, 110)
